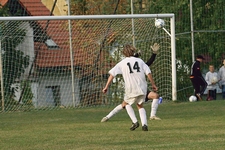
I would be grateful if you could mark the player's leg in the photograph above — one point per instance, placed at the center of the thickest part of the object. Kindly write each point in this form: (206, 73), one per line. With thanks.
(203, 85)
(196, 86)
(146, 97)
(130, 112)
(142, 113)
(112, 113)
(155, 103)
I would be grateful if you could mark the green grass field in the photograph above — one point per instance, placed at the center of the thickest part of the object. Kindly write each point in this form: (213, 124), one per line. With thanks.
(198, 125)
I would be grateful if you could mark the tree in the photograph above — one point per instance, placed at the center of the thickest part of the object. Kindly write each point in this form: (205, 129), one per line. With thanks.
(208, 40)
(105, 7)
(208, 21)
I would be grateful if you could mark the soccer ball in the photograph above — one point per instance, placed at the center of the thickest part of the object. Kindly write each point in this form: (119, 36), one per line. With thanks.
(192, 98)
(159, 23)
(214, 79)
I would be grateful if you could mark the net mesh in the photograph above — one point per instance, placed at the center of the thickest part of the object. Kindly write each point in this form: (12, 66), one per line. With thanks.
(52, 64)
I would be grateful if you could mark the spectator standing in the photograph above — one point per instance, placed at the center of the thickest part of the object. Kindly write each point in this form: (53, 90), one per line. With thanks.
(212, 79)
(221, 75)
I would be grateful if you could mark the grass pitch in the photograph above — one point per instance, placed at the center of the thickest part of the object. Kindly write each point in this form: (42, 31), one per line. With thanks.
(198, 125)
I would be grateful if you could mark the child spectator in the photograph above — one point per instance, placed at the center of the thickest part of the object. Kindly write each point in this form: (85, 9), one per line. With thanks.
(212, 79)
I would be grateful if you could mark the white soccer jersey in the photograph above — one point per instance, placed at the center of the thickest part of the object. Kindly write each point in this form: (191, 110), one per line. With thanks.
(133, 71)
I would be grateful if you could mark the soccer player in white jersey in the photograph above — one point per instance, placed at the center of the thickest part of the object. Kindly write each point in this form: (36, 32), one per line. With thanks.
(150, 94)
(133, 71)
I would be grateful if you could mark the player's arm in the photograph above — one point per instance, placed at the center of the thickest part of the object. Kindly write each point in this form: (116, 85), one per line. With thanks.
(151, 59)
(108, 83)
(113, 72)
(155, 49)
(154, 87)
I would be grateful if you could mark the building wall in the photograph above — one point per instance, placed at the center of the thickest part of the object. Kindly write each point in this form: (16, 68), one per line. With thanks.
(44, 95)
(27, 47)
(61, 7)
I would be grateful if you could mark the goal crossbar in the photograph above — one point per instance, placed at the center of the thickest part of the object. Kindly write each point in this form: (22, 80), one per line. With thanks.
(80, 17)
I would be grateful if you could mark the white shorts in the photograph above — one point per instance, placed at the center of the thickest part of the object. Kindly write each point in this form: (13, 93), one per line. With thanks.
(139, 100)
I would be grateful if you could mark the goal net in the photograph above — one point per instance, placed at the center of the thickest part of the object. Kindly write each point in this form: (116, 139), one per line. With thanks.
(55, 62)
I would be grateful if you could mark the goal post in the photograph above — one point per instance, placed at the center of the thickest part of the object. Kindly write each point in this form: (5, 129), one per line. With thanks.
(63, 61)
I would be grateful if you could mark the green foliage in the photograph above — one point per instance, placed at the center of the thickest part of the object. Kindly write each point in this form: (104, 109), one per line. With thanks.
(105, 7)
(27, 92)
(210, 17)
(3, 11)
(208, 20)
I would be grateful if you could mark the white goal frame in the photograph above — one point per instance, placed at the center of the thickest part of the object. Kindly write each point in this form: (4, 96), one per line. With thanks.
(83, 17)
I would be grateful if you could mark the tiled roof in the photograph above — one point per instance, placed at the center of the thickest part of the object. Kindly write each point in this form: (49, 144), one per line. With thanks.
(85, 42)
(35, 7)
(58, 32)
(3, 2)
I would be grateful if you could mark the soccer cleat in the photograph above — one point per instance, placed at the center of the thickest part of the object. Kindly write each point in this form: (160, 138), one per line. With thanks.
(134, 126)
(160, 100)
(104, 119)
(199, 96)
(154, 118)
(144, 128)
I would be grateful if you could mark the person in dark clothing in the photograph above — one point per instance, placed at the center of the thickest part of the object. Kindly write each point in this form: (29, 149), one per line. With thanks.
(197, 79)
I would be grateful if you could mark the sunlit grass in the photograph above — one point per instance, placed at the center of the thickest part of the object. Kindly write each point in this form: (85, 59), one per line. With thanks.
(199, 125)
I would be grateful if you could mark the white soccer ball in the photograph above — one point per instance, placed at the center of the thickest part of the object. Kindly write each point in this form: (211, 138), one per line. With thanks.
(192, 98)
(214, 79)
(159, 23)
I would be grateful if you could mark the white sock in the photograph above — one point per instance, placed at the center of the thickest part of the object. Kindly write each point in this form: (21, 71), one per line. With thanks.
(143, 117)
(131, 113)
(115, 111)
(155, 103)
